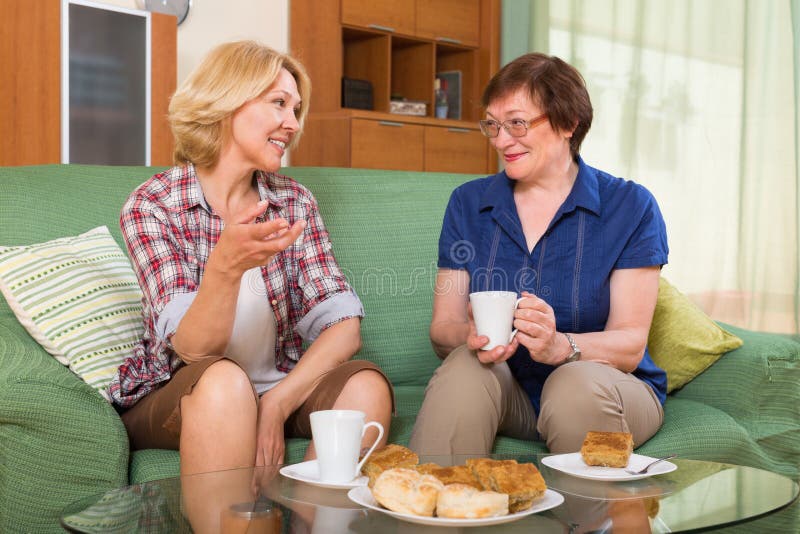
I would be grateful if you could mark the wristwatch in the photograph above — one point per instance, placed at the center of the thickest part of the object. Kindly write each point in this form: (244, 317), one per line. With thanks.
(576, 352)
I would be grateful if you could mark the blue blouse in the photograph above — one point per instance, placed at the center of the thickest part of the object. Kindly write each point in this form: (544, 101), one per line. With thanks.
(605, 223)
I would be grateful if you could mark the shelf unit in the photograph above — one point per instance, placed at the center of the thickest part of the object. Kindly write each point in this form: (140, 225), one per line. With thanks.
(398, 47)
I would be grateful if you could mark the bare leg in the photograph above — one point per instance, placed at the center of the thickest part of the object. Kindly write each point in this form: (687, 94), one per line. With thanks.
(366, 391)
(218, 432)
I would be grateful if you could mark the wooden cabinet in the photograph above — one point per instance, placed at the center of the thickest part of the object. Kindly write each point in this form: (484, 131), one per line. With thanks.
(386, 145)
(398, 47)
(453, 21)
(378, 141)
(386, 15)
(454, 150)
(30, 82)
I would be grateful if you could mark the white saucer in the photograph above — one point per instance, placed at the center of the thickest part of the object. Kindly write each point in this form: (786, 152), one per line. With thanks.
(363, 496)
(573, 464)
(308, 472)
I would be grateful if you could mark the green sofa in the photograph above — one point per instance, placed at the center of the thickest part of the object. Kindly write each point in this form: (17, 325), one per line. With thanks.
(60, 440)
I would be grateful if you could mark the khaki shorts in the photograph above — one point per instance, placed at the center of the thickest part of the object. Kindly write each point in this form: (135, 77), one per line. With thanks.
(155, 421)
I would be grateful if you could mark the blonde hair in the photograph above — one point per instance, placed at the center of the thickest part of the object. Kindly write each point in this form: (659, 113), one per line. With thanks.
(229, 76)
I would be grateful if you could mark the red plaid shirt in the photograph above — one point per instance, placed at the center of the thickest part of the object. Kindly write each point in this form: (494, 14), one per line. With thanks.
(170, 232)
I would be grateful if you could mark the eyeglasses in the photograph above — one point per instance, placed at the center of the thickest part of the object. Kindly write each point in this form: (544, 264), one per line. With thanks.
(514, 127)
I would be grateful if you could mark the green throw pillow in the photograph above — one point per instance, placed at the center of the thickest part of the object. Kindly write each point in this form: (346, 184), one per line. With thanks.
(683, 340)
(78, 297)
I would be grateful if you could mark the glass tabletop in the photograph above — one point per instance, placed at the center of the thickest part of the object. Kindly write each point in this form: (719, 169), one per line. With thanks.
(696, 495)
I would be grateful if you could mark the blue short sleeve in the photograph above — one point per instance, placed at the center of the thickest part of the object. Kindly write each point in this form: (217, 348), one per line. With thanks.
(647, 244)
(454, 250)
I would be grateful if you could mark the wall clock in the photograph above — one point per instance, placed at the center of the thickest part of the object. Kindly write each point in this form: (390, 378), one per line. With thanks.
(177, 8)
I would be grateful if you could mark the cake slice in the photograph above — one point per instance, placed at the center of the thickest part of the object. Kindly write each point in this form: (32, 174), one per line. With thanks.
(457, 474)
(482, 466)
(522, 482)
(608, 449)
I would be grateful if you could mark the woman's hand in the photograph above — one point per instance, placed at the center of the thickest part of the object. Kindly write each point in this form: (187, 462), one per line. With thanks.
(536, 324)
(270, 446)
(498, 354)
(206, 327)
(245, 244)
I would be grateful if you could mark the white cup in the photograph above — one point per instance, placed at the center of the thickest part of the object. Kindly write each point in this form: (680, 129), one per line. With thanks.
(493, 312)
(337, 438)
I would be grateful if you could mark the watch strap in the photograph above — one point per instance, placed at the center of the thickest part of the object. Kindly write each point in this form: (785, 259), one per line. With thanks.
(575, 355)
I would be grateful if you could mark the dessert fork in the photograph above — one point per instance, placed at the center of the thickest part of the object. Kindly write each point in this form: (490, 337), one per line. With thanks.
(648, 466)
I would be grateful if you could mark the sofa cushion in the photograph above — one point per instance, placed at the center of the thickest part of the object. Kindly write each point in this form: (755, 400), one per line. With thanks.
(78, 297)
(697, 431)
(59, 442)
(683, 340)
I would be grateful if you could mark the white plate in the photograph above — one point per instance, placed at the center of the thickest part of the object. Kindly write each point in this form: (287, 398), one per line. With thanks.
(363, 496)
(573, 464)
(308, 472)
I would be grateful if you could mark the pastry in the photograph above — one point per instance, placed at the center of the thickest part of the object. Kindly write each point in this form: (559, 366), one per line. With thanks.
(426, 469)
(386, 458)
(609, 449)
(481, 488)
(481, 466)
(460, 474)
(522, 482)
(466, 502)
(407, 491)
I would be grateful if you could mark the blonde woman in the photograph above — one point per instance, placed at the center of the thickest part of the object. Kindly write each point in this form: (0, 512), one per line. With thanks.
(237, 272)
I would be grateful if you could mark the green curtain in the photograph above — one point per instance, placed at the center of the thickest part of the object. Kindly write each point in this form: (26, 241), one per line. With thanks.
(698, 101)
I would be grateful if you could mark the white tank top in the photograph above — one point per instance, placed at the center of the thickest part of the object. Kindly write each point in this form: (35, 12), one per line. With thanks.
(252, 343)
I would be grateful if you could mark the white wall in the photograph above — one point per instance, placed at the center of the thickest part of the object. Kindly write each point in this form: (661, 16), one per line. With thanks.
(211, 22)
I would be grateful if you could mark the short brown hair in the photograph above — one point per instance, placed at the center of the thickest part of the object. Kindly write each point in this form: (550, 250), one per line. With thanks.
(229, 76)
(554, 85)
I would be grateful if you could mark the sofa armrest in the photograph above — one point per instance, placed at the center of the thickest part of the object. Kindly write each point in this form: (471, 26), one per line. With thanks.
(758, 385)
(60, 441)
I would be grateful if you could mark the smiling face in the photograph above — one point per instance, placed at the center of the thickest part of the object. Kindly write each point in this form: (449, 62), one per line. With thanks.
(263, 127)
(540, 153)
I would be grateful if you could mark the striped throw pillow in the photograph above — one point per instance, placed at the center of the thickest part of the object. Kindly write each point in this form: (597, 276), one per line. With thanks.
(78, 297)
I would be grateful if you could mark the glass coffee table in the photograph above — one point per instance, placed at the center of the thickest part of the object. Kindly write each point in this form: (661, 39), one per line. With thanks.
(698, 495)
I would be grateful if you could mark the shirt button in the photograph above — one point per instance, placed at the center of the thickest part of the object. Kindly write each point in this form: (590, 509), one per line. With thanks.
(280, 338)
(274, 302)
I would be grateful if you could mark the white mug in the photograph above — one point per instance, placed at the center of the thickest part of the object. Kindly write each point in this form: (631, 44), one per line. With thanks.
(337, 438)
(493, 312)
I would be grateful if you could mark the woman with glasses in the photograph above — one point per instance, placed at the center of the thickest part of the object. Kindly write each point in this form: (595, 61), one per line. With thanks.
(581, 247)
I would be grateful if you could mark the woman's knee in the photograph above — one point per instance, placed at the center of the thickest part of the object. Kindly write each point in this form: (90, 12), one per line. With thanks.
(578, 397)
(224, 382)
(577, 388)
(369, 390)
(370, 385)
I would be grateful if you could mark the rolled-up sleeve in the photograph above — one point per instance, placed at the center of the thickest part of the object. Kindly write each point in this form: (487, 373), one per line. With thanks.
(335, 309)
(172, 314)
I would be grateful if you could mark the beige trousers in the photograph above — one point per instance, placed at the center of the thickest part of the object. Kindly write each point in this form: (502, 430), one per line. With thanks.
(468, 403)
